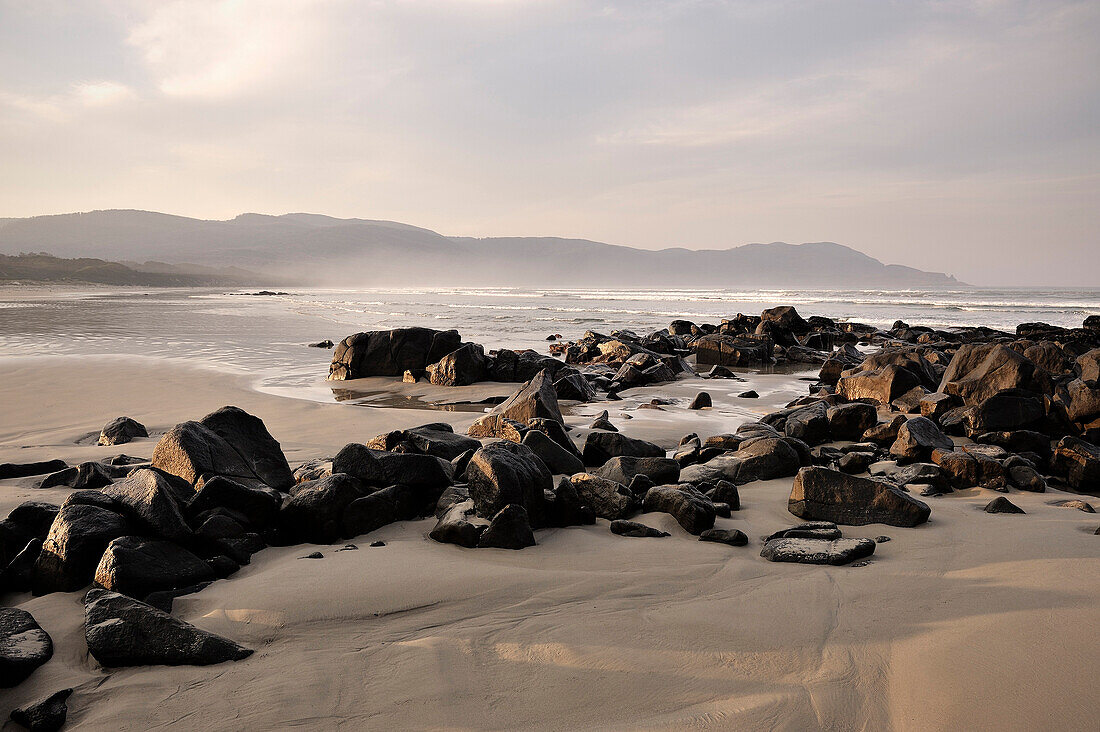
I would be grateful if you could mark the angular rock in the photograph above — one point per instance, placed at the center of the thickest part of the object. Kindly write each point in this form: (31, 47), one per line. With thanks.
(978, 371)
(1007, 410)
(453, 527)
(691, 509)
(258, 449)
(608, 499)
(599, 447)
(882, 385)
(260, 506)
(315, 513)
(557, 459)
(809, 424)
(380, 508)
(74, 546)
(23, 470)
(565, 507)
(884, 434)
(850, 421)
(121, 631)
(24, 646)
(574, 387)
(150, 501)
(702, 400)
(465, 365)
(1079, 462)
(508, 529)
(917, 438)
(623, 468)
(536, 398)
(45, 715)
(137, 567)
(503, 473)
(820, 494)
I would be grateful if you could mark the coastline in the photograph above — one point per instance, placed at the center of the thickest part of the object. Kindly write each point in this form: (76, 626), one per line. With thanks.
(637, 634)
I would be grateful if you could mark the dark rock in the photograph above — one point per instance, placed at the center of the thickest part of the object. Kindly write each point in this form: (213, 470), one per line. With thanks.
(624, 468)
(503, 473)
(391, 352)
(809, 424)
(808, 530)
(193, 451)
(258, 449)
(89, 475)
(1027, 478)
(725, 492)
(935, 405)
(1079, 462)
(855, 463)
(373, 544)
(19, 572)
(606, 498)
(121, 631)
(884, 434)
(733, 537)
(322, 344)
(315, 513)
(829, 495)
(121, 430)
(850, 421)
(882, 385)
(636, 530)
(428, 475)
(150, 501)
(691, 509)
(702, 400)
(313, 555)
(508, 529)
(1000, 504)
(750, 394)
(137, 567)
(465, 365)
(454, 527)
(259, 505)
(24, 646)
(978, 371)
(559, 460)
(917, 438)
(23, 470)
(380, 508)
(1079, 505)
(817, 551)
(45, 715)
(536, 398)
(574, 387)
(603, 423)
(961, 468)
(74, 545)
(565, 507)
(1010, 409)
(599, 447)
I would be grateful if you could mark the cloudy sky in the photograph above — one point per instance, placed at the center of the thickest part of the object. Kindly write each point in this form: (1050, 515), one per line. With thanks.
(954, 135)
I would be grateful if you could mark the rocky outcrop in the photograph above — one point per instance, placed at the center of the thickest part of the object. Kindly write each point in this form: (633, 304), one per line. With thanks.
(152, 504)
(978, 371)
(391, 352)
(820, 494)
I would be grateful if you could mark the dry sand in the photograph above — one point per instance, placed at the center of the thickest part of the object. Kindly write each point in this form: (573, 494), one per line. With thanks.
(972, 621)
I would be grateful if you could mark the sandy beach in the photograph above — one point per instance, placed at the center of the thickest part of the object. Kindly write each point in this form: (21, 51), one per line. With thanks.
(971, 621)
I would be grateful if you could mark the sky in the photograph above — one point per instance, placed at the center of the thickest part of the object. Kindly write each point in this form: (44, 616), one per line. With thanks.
(956, 136)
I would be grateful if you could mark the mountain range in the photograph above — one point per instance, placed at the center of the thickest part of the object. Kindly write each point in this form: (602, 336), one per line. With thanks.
(310, 249)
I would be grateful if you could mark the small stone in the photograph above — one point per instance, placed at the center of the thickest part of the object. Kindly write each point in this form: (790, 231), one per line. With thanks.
(635, 529)
(702, 400)
(377, 543)
(881, 539)
(313, 555)
(348, 548)
(1001, 504)
(750, 394)
(733, 537)
(46, 715)
(1079, 505)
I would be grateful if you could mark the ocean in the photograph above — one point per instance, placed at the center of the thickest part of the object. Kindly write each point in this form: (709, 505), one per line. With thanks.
(266, 336)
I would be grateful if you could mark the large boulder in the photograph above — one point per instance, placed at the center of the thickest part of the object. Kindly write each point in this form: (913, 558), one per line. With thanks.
(504, 473)
(24, 646)
(427, 474)
(75, 544)
(608, 499)
(314, 514)
(820, 494)
(722, 349)
(391, 352)
(1009, 409)
(691, 509)
(978, 371)
(121, 430)
(809, 424)
(557, 459)
(152, 504)
(537, 398)
(248, 435)
(438, 439)
(917, 438)
(122, 631)
(194, 452)
(463, 366)
(1079, 462)
(623, 468)
(882, 385)
(850, 421)
(380, 508)
(599, 447)
(136, 567)
(1088, 365)
(1082, 400)
(786, 317)
(258, 505)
